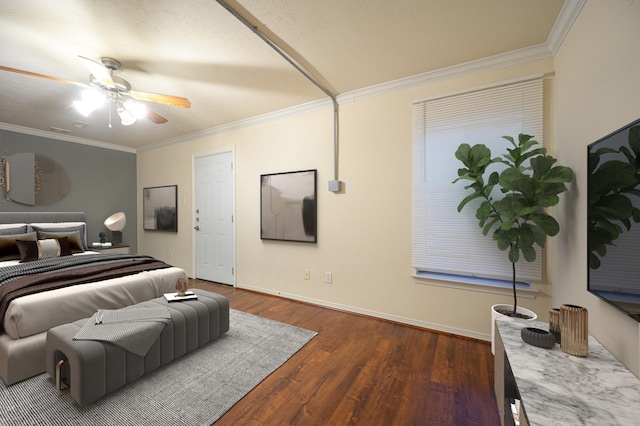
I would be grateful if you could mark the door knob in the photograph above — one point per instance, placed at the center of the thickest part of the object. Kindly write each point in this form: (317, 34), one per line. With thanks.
(197, 228)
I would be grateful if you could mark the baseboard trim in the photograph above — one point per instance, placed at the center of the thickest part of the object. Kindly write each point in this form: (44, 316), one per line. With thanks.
(381, 315)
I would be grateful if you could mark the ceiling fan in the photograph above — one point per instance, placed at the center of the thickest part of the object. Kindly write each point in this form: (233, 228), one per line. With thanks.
(104, 87)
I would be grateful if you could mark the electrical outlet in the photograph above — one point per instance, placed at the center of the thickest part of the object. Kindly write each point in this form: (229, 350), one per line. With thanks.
(307, 274)
(327, 277)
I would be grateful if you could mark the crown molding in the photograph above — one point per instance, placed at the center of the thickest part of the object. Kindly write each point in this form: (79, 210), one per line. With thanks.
(568, 15)
(493, 62)
(306, 107)
(67, 138)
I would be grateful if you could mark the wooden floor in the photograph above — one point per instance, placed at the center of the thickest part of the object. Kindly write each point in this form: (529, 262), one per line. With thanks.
(364, 371)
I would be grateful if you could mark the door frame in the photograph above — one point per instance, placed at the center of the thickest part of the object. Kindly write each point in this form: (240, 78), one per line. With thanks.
(224, 150)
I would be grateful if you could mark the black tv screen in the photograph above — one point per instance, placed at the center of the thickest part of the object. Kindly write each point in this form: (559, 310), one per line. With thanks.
(613, 217)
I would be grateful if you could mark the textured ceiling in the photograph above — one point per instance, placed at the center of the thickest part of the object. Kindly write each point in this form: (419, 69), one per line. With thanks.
(197, 49)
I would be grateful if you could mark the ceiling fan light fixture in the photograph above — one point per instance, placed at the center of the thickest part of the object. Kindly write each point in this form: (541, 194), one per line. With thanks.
(91, 100)
(126, 118)
(83, 107)
(138, 109)
(93, 97)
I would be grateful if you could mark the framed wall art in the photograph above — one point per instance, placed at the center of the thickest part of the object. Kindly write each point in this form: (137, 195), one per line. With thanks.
(288, 210)
(160, 208)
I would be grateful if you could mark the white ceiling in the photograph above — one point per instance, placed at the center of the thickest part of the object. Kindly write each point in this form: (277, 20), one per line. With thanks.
(197, 49)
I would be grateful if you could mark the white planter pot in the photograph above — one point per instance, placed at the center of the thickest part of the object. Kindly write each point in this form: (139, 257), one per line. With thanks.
(495, 314)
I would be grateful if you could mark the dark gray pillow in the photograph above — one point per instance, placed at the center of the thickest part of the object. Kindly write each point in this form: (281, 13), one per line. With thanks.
(12, 231)
(63, 232)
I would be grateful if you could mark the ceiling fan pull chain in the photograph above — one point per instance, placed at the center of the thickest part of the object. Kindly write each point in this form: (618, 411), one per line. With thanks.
(109, 115)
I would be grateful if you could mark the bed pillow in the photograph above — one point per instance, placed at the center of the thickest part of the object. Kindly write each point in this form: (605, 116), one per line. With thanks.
(43, 249)
(9, 247)
(13, 228)
(63, 227)
(73, 239)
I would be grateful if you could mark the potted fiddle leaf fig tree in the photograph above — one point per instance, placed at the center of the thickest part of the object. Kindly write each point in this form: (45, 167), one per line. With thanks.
(514, 196)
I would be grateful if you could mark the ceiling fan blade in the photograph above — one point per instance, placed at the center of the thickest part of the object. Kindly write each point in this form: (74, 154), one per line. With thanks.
(48, 77)
(161, 99)
(99, 71)
(155, 117)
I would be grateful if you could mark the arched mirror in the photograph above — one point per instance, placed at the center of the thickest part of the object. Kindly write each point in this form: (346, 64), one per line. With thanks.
(33, 179)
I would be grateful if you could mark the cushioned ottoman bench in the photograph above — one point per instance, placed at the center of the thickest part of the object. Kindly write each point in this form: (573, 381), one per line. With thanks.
(93, 368)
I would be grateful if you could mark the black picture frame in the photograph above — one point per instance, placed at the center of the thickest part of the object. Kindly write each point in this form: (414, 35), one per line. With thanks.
(288, 206)
(160, 208)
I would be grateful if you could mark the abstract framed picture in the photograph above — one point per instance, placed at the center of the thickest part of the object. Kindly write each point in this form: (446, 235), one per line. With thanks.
(288, 209)
(160, 208)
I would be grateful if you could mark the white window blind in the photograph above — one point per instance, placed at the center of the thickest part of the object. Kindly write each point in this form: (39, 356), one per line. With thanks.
(445, 241)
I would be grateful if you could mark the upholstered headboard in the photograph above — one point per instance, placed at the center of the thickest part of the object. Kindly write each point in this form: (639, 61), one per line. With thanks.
(33, 217)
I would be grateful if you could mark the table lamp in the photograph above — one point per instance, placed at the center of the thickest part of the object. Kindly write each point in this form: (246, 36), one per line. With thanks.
(115, 223)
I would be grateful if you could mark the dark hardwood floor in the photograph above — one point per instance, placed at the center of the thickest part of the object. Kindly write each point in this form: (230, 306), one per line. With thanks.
(365, 371)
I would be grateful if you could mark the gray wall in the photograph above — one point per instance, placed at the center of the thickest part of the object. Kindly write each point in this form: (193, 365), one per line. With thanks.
(102, 181)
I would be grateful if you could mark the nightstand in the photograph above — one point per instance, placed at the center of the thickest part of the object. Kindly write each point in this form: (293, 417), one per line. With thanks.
(111, 250)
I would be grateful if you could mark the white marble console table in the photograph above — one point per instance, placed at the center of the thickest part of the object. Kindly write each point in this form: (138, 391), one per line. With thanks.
(560, 389)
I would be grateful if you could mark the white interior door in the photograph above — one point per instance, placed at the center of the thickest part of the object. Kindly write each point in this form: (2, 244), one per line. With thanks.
(214, 218)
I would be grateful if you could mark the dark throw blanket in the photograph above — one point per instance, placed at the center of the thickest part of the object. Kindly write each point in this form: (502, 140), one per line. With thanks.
(49, 274)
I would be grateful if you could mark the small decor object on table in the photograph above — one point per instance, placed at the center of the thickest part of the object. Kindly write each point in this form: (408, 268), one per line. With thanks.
(181, 293)
(181, 286)
(554, 324)
(574, 330)
(538, 337)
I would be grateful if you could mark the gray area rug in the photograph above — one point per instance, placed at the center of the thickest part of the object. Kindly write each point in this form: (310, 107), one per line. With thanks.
(196, 389)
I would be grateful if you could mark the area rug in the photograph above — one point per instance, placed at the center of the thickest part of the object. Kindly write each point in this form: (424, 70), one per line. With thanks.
(196, 389)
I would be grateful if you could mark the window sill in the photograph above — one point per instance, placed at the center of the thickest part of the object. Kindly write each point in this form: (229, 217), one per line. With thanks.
(483, 285)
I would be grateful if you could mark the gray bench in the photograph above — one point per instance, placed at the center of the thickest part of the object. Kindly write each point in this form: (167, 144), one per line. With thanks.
(92, 369)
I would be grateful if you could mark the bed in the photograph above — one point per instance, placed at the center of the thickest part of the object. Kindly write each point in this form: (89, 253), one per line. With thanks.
(49, 276)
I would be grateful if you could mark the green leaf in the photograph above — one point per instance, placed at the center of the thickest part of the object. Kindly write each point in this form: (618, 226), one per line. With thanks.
(483, 211)
(494, 178)
(539, 236)
(527, 236)
(546, 223)
(529, 254)
(514, 255)
(559, 174)
(487, 227)
(466, 200)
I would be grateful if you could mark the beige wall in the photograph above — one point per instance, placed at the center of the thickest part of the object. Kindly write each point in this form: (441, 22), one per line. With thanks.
(597, 92)
(364, 234)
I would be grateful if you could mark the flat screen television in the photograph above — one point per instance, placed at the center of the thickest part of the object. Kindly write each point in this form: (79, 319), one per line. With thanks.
(613, 217)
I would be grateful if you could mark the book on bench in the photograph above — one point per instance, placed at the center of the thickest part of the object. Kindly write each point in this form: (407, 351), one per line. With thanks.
(173, 297)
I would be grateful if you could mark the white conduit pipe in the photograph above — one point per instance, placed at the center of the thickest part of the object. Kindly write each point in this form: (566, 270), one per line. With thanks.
(299, 67)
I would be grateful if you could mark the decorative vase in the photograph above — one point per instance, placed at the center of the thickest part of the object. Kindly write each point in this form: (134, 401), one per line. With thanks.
(495, 314)
(574, 330)
(538, 337)
(554, 324)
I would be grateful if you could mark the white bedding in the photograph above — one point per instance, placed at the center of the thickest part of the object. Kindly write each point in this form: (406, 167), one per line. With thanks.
(35, 313)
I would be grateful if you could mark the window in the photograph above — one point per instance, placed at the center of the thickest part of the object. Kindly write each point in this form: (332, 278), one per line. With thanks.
(445, 241)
